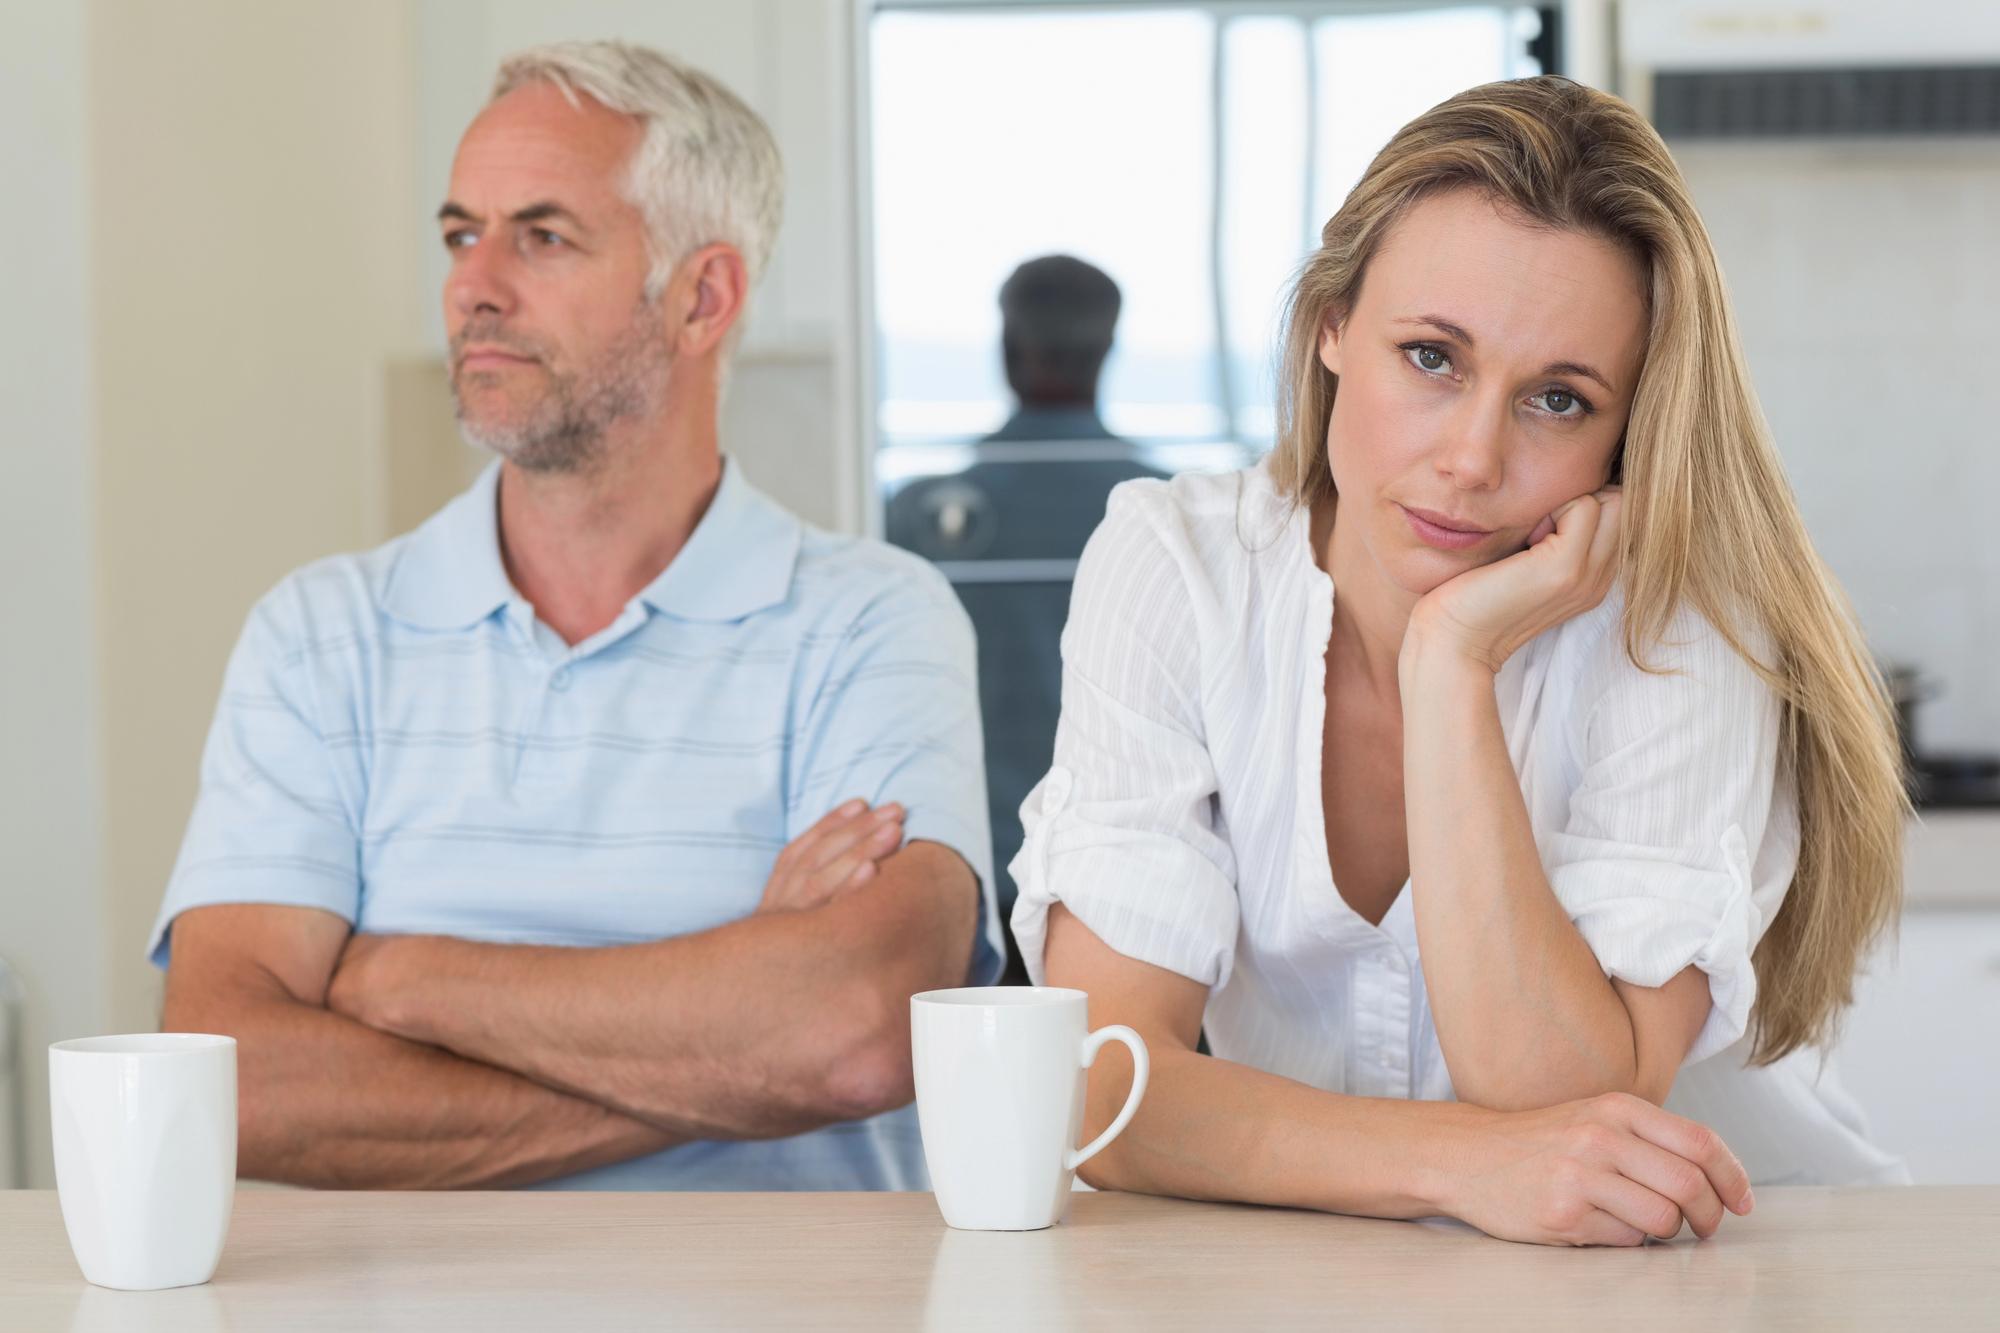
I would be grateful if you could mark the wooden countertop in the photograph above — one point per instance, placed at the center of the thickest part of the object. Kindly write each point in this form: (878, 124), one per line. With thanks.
(1806, 1259)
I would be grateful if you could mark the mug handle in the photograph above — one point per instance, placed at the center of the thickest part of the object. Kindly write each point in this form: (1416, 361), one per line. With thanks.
(1141, 1066)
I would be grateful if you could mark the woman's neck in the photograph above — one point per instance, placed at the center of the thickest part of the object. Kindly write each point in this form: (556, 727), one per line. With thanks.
(1370, 613)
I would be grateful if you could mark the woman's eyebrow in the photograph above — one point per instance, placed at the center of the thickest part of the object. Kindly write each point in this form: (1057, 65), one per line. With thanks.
(1441, 324)
(1574, 368)
(1451, 330)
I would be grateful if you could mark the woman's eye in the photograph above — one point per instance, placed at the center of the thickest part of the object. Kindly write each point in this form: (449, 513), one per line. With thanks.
(1430, 358)
(1559, 403)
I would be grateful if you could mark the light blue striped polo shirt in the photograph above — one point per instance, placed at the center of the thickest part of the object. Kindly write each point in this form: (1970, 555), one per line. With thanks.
(401, 743)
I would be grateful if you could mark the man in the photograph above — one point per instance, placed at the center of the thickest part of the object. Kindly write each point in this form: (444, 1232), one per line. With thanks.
(486, 873)
(1008, 530)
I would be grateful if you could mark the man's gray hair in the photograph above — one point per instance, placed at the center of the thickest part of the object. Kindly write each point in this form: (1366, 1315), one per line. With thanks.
(707, 169)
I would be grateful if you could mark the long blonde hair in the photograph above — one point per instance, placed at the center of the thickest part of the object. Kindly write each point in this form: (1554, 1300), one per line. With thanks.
(1710, 521)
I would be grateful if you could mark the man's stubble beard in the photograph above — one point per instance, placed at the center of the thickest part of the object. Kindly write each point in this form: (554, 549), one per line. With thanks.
(565, 429)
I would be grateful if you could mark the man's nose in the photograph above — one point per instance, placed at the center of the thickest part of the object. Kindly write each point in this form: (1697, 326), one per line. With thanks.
(481, 279)
(1473, 454)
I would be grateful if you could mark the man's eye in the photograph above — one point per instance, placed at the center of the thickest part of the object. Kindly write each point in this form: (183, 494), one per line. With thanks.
(460, 240)
(1559, 403)
(1432, 359)
(544, 238)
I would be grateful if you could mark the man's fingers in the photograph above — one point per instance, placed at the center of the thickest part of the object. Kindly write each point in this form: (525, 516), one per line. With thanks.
(800, 848)
(1699, 1144)
(876, 843)
(839, 843)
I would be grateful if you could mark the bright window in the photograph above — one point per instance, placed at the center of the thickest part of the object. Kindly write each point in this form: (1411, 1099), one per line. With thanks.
(1001, 135)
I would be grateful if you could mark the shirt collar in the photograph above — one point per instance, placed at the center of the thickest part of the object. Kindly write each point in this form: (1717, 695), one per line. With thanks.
(450, 575)
(738, 561)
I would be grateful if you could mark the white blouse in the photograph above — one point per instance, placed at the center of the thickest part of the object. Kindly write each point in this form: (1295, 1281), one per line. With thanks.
(1182, 820)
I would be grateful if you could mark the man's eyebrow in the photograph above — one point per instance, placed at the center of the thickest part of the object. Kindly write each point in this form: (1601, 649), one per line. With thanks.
(540, 212)
(1452, 330)
(545, 211)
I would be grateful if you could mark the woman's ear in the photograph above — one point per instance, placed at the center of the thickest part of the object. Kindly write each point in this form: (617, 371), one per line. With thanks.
(1329, 344)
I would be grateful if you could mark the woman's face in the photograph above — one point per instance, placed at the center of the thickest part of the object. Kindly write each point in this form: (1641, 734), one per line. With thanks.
(1485, 376)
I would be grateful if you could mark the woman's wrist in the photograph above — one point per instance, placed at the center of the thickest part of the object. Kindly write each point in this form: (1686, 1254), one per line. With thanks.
(1436, 654)
(1433, 1149)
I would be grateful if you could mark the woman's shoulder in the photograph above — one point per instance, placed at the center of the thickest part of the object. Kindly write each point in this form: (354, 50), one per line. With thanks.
(1218, 520)
(1691, 652)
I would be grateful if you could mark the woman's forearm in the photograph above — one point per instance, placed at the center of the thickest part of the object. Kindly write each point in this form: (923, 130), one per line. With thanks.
(1606, 1171)
(1524, 1013)
(1212, 1129)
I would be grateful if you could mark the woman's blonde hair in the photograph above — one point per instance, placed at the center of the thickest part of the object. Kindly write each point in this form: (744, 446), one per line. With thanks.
(1710, 522)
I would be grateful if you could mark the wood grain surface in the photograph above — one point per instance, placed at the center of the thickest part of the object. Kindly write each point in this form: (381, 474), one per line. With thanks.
(1923, 1258)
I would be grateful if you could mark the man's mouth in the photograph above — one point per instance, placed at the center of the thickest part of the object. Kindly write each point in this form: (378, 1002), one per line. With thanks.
(476, 358)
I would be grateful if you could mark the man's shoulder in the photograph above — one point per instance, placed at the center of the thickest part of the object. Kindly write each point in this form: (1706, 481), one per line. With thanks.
(335, 601)
(837, 572)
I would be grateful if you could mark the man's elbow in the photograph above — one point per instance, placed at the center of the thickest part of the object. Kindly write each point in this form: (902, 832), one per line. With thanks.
(866, 1069)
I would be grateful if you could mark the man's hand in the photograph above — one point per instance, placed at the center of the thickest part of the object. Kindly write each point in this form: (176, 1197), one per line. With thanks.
(834, 857)
(827, 862)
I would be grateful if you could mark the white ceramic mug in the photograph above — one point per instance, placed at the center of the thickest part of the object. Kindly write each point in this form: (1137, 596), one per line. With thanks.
(1000, 1084)
(145, 1139)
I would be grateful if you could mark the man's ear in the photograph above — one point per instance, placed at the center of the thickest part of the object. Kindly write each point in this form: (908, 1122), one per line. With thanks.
(717, 287)
(1329, 343)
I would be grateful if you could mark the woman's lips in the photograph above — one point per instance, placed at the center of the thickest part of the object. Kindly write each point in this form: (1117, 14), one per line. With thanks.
(1442, 530)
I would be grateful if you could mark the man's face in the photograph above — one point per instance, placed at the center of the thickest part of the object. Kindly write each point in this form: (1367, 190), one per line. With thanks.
(552, 338)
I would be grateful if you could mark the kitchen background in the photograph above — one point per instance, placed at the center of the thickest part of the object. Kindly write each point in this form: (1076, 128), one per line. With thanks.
(222, 354)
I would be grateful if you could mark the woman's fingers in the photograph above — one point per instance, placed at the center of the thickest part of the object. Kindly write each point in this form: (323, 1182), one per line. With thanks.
(1631, 1205)
(1698, 1144)
(1676, 1179)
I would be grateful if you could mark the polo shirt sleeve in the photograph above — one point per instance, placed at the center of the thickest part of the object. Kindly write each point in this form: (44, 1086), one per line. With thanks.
(896, 718)
(271, 823)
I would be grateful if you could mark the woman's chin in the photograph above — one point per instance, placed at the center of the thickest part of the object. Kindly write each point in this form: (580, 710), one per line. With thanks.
(1423, 570)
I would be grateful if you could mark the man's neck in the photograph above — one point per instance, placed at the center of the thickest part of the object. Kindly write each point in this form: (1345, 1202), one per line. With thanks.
(579, 546)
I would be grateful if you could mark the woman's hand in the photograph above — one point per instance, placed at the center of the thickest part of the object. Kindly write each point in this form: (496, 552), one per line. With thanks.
(1612, 1170)
(1485, 614)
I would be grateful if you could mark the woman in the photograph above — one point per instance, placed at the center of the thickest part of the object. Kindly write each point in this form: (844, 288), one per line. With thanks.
(1497, 756)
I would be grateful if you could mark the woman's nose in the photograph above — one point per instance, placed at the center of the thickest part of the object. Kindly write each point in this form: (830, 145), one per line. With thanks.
(1473, 453)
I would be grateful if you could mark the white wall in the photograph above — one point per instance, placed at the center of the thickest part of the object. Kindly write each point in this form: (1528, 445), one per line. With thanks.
(1866, 275)
(51, 869)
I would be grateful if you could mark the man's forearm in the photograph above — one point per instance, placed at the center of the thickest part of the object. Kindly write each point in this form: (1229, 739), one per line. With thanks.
(331, 1103)
(762, 1028)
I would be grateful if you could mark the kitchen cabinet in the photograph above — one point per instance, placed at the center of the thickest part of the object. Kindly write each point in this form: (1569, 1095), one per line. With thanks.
(1921, 1049)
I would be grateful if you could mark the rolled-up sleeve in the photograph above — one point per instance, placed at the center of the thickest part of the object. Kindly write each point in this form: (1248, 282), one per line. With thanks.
(1123, 831)
(272, 823)
(1681, 838)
